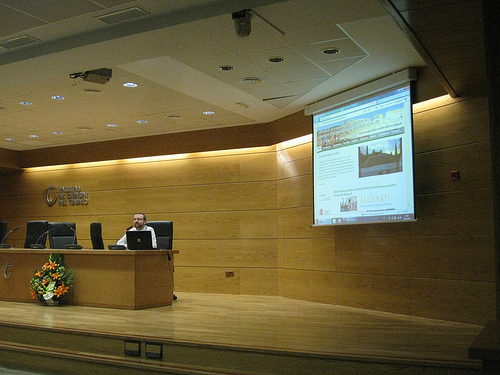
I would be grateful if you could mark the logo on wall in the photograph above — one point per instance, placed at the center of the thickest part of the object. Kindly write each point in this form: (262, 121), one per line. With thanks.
(66, 196)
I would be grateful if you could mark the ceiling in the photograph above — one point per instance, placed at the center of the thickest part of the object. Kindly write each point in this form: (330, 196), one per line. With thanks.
(174, 51)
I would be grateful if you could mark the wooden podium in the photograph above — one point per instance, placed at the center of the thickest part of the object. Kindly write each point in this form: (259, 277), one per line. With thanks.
(122, 279)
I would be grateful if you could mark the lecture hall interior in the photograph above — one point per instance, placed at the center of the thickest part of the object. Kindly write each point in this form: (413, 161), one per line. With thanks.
(202, 122)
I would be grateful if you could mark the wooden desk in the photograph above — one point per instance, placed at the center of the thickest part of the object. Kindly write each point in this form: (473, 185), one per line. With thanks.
(123, 279)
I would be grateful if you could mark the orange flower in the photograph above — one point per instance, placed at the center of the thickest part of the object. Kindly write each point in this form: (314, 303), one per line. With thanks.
(61, 290)
(53, 265)
(55, 276)
(39, 274)
(33, 293)
(45, 266)
(45, 281)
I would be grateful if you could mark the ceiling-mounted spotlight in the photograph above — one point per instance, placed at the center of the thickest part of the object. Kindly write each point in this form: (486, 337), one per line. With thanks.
(101, 76)
(242, 22)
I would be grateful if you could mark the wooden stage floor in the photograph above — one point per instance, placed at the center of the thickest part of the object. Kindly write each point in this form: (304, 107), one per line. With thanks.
(265, 323)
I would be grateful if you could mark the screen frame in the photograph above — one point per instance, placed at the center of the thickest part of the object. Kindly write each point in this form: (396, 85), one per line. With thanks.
(359, 94)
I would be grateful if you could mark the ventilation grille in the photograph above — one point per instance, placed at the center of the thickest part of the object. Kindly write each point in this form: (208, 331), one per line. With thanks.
(18, 42)
(123, 15)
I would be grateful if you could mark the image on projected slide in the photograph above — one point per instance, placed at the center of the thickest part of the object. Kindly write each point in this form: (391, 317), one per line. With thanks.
(383, 157)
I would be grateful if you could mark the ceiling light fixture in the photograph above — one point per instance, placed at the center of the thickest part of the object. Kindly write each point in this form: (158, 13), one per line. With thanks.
(33, 136)
(242, 105)
(25, 103)
(226, 68)
(130, 84)
(331, 51)
(57, 97)
(142, 121)
(112, 125)
(10, 139)
(208, 112)
(57, 133)
(276, 59)
(251, 81)
(174, 117)
(84, 128)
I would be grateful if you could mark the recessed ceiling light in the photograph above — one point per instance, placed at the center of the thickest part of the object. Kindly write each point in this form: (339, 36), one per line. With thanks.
(174, 117)
(58, 97)
(251, 81)
(84, 128)
(25, 103)
(276, 59)
(10, 139)
(242, 105)
(33, 136)
(142, 121)
(130, 84)
(226, 68)
(208, 112)
(331, 51)
(57, 133)
(112, 125)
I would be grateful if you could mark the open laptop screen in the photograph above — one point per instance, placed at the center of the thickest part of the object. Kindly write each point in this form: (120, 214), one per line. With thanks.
(139, 240)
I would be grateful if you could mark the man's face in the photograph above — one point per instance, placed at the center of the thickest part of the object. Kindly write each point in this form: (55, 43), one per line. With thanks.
(139, 221)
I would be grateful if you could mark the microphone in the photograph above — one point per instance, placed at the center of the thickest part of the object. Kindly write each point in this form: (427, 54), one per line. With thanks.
(119, 247)
(37, 245)
(2, 244)
(74, 245)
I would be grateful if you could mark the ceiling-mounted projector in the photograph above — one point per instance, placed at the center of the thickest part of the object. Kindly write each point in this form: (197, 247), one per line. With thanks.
(100, 76)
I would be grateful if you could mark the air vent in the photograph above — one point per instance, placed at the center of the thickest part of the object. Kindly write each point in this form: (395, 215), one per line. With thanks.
(18, 42)
(123, 15)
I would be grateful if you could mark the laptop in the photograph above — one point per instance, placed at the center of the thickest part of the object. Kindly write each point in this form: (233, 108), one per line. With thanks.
(139, 240)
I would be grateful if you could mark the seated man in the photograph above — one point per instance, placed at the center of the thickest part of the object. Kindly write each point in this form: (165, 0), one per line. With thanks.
(139, 224)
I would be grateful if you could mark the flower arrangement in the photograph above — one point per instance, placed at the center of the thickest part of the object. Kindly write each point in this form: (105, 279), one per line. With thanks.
(51, 282)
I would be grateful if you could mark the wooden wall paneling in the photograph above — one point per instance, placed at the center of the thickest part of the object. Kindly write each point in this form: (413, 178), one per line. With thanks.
(259, 165)
(308, 253)
(295, 192)
(433, 169)
(457, 213)
(255, 253)
(206, 280)
(297, 222)
(458, 257)
(298, 167)
(298, 284)
(254, 224)
(325, 289)
(258, 281)
(315, 286)
(467, 70)
(472, 54)
(294, 153)
(448, 15)
(453, 300)
(377, 292)
(460, 123)
(230, 225)
(372, 255)
(454, 37)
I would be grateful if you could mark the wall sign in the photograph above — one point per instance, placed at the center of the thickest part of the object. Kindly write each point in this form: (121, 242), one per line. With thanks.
(66, 196)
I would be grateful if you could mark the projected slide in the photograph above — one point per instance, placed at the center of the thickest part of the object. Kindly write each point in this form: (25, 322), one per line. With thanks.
(363, 161)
